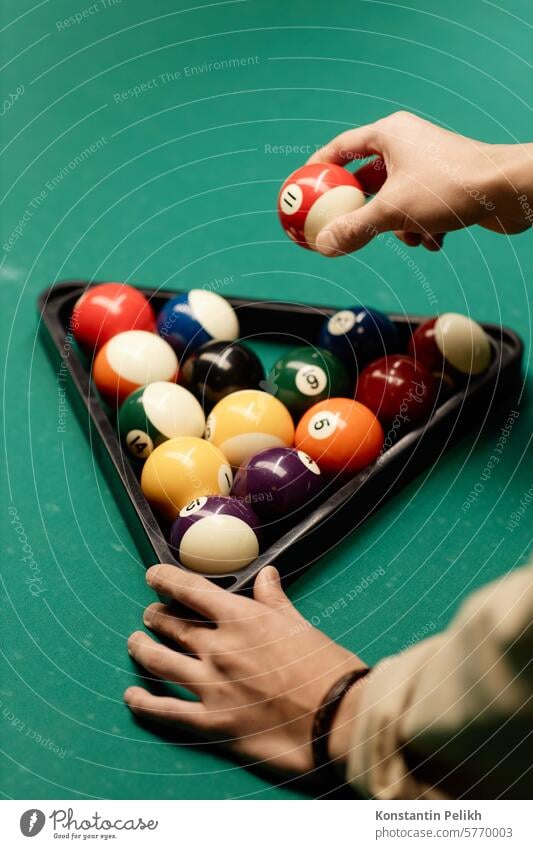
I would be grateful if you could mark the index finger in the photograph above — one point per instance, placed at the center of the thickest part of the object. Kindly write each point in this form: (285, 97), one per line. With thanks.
(349, 146)
(195, 592)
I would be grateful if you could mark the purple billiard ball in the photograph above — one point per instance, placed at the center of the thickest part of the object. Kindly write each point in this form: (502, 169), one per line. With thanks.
(215, 535)
(277, 481)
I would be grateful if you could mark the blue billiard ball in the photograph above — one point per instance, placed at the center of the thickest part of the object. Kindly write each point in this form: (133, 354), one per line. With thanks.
(358, 335)
(196, 317)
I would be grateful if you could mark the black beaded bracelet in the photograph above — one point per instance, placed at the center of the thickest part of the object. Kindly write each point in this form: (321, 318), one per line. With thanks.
(324, 718)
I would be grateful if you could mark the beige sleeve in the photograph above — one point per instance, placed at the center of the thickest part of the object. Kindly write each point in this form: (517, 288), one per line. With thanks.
(450, 717)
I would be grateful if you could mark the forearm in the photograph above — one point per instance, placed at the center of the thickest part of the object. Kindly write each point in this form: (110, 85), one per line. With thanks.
(441, 719)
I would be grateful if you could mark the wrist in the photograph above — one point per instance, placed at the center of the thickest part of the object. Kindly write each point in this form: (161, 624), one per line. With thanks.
(342, 729)
(510, 185)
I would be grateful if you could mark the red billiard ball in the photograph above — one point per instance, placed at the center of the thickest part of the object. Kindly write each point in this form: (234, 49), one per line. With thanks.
(451, 346)
(341, 435)
(398, 386)
(315, 195)
(108, 309)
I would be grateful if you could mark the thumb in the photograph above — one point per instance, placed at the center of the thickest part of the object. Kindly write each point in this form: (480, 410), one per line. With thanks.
(355, 230)
(268, 589)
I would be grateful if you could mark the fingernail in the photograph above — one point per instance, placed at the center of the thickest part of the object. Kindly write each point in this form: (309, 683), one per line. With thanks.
(150, 574)
(326, 243)
(148, 617)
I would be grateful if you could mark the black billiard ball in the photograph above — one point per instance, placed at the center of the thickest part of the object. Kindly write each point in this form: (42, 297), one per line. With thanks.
(219, 368)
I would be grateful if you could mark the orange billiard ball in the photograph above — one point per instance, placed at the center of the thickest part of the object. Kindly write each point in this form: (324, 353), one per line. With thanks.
(130, 360)
(341, 435)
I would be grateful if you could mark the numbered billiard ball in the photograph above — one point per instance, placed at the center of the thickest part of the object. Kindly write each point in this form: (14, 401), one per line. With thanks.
(278, 481)
(107, 309)
(452, 346)
(397, 387)
(157, 412)
(215, 535)
(359, 335)
(130, 360)
(196, 317)
(246, 422)
(219, 368)
(181, 469)
(306, 375)
(313, 196)
(341, 435)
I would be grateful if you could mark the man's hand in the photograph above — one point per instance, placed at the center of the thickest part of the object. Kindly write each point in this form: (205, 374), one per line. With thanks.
(258, 668)
(426, 181)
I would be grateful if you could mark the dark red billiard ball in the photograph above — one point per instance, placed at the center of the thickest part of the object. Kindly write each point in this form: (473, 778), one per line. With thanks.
(107, 309)
(313, 196)
(451, 346)
(398, 386)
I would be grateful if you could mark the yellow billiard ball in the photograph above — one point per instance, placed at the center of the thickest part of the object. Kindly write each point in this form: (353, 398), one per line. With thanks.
(181, 469)
(246, 422)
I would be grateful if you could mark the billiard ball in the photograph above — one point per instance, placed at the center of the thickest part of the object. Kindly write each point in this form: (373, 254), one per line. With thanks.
(313, 196)
(452, 346)
(215, 535)
(157, 412)
(359, 335)
(245, 422)
(341, 435)
(196, 317)
(107, 309)
(130, 360)
(219, 368)
(278, 481)
(306, 375)
(181, 469)
(398, 386)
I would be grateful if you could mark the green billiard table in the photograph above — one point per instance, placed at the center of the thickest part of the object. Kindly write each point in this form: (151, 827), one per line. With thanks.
(147, 145)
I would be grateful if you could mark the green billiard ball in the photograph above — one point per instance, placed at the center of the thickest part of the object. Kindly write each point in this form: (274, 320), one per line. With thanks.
(307, 375)
(155, 413)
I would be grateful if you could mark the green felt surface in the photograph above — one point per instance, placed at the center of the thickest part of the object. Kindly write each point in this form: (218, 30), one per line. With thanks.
(179, 190)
